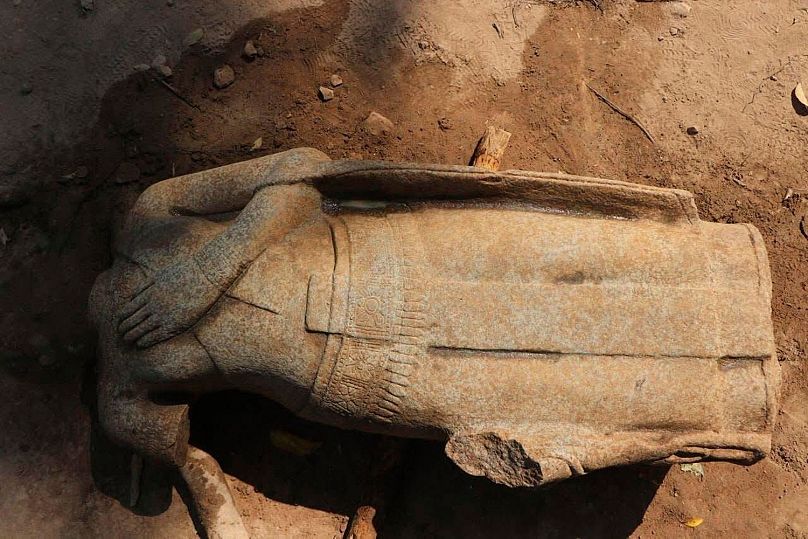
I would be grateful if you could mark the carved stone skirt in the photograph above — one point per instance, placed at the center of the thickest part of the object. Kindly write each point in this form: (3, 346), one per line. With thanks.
(545, 345)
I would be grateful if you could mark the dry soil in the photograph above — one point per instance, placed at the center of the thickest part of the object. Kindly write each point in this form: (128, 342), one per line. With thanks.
(711, 81)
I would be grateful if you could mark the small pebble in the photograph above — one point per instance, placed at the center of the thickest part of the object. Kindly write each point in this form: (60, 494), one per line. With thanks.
(26, 88)
(169, 3)
(158, 61)
(444, 123)
(250, 51)
(164, 71)
(674, 31)
(376, 124)
(326, 94)
(680, 9)
(88, 5)
(336, 80)
(223, 77)
(692, 131)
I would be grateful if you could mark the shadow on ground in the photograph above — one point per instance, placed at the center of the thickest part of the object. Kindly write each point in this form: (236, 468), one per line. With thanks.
(431, 496)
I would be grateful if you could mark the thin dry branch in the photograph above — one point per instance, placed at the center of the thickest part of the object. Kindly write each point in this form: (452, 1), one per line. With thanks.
(622, 113)
(177, 93)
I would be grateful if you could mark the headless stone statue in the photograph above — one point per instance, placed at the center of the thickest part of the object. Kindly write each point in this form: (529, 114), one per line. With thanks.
(543, 325)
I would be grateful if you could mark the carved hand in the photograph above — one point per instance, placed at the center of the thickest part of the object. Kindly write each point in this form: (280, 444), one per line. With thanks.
(168, 304)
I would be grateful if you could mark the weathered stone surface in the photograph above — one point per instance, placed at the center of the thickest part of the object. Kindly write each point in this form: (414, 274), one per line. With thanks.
(325, 94)
(223, 76)
(164, 71)
(249, 50)
(378, 125)
(543, 325)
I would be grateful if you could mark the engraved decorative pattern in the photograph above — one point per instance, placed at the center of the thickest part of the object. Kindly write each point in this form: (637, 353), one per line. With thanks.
(387, 320)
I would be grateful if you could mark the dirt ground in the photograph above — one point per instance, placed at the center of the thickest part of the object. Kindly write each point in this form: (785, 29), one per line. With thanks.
(711, 81)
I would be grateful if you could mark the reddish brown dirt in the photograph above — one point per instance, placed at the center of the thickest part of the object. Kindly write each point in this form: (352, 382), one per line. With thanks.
(59, 480)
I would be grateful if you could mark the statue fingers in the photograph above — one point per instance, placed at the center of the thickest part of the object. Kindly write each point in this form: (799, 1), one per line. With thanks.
(133, 320)
(147, 325)
(133, 305)
(153, 337)
(141, 288)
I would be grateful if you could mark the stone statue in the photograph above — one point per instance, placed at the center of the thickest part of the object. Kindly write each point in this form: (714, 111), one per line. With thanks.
(542, 325)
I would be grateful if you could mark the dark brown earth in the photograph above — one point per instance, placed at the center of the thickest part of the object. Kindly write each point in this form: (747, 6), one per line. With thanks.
(61, 478)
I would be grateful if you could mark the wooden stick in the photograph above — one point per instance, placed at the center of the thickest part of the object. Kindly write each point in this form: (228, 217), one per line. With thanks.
(211, 496)
(622, 113)
(361, 526)
(177, 93)
(490, 149)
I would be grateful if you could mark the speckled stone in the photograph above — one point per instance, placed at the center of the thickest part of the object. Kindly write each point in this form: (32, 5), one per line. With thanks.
(542, 325)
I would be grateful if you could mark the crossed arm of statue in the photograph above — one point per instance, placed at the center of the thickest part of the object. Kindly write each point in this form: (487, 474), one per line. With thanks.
(269, 200)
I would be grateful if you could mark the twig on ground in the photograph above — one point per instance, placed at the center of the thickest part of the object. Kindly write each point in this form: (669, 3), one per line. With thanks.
(622, 113)
(177, 93)
(763, 81)
(735, 178)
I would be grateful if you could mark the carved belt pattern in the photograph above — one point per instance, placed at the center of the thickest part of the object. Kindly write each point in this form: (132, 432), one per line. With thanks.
(378, 320)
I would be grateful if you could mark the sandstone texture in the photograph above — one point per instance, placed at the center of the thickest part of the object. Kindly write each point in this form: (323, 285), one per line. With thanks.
(543, 325)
